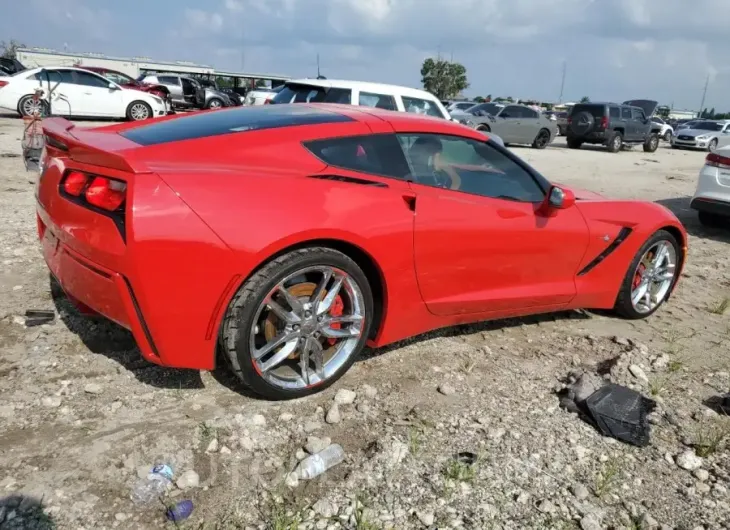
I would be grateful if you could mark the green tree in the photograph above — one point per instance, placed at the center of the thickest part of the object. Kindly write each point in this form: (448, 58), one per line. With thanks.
(444, 79)
(585, 99)
(9, 48)
(479, 99)
(488, 99)
(663, 111)
(260, 83)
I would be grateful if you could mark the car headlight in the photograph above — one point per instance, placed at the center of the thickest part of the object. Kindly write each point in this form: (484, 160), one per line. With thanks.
(158, 100)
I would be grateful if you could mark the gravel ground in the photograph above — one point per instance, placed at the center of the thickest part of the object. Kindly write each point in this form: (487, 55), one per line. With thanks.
(83, 415)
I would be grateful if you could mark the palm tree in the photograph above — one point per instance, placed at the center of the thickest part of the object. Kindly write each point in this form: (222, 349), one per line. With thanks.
(585, 99)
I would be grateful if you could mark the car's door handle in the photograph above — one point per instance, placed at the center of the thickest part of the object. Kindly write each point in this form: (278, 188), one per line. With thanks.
(87, 93)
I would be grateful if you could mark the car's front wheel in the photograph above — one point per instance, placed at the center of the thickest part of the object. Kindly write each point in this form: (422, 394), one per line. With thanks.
(668, 136)
(139, 111)
(616, 142)
(298, 323)
(651, 276)
(651, 143)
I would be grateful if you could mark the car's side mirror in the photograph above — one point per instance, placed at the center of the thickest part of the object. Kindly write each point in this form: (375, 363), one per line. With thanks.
(560, 198)
(112, 86)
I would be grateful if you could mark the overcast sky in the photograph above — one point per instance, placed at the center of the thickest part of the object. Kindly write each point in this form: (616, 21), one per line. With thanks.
(614, 49)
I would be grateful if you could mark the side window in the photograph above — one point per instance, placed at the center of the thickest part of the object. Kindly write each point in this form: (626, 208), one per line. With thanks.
(378, 154)
(339, 95)
(469, 166)
(626, 113)
(614, 112)
(528, 113)
(53, 75)
(637, 114)
(421, 106)
(379, 101)
(511, 111)
(90, 80)
(168, 80)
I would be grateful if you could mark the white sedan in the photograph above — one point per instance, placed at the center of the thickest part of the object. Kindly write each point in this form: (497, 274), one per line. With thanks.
(712, 197)
(76, 92)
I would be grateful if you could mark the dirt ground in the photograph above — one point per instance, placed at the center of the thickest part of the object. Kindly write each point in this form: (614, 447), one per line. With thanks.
(82, 415)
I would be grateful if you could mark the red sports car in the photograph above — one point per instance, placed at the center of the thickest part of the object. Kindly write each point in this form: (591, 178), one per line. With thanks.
(287, 237)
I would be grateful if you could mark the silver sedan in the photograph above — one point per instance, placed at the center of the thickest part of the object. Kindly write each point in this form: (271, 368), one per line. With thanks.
(516, 124)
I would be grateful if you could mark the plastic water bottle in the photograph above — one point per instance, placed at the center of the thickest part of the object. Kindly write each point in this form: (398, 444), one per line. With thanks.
(155, 484)
(318, 463)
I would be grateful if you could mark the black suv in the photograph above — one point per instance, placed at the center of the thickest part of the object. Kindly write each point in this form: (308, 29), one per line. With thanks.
(614, 125)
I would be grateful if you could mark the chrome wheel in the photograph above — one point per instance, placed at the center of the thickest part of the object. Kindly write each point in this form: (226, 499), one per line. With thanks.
(139, 112)
(653, 277)
(307, 327)
(30, 107)
(215, 104)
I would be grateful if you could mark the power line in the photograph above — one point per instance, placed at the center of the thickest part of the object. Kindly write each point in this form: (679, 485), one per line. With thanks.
(562, 83)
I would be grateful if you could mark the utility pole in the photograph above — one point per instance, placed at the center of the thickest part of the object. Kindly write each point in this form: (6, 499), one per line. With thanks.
(562, 83)
(704, 93)
(318, 66)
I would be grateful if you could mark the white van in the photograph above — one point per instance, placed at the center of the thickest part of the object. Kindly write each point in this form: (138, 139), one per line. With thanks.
(378, 95)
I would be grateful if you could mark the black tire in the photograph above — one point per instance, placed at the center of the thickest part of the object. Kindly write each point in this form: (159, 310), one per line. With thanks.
(623, 305)
(242, 310)
(712, 145)
(711, 220)
(651, 143)
(561, 130)
(542, 140)
(139, 111)
(615, 143)
(484, 128)
(24, 103)
(668, 136)
(214, 103)
(574, 144)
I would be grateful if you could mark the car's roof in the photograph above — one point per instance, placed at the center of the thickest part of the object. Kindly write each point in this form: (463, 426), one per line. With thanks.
(290, 115)
(364, 86)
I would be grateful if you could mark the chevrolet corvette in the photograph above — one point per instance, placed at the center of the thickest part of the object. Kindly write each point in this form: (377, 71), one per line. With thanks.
(283, 239)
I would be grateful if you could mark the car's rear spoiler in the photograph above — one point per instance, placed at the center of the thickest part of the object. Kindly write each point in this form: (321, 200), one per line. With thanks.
(89, 146)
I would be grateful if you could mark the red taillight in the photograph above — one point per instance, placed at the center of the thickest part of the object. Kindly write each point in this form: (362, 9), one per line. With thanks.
(74, 183)
(106, 194)
(570, 120)
(604, 122)
(715, 160)
(3, 83)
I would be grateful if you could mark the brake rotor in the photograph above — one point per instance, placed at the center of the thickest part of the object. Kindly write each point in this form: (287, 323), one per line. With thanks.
(303, 291)
(640, 271)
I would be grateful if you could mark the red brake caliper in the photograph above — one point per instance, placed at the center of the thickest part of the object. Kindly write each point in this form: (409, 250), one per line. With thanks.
(638, 275)
(338, 307)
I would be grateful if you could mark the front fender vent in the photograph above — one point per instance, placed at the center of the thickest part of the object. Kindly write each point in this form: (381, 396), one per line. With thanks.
(620, 238)
(350, 180)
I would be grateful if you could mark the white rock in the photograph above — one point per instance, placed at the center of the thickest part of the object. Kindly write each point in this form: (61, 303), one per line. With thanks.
(93, 388)
(369, 391)
(591, 522)
(395, 453)
(189, 479)
(660, 362)
(312, 426)
(345, 397)
(333, 414)
(580, 492)
(225, 450)
(291, 480)
(325, 508)
(315, 444)
(496, 434)
(688, 460)
(51, 402)
(446, 389)
(426, 518)
(246, 443)
(638, 373)
(546, 506)
(212, 446)
(301, 454)
(286, 416)
(258, 420)
(701, 475)
(120, 516)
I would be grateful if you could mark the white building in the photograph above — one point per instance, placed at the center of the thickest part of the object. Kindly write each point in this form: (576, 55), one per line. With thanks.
(134, 66)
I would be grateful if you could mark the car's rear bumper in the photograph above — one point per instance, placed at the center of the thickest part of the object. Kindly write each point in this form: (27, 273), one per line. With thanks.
(600, 137)
(90, 285)
(713, 191)
(712, 206)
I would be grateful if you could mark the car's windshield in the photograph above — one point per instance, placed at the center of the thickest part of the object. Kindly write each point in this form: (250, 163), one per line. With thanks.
(303, 93)
(489, 108)
(708, 126)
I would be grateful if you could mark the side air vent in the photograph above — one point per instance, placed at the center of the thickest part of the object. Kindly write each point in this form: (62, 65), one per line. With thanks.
(622, 235)
(350, 180)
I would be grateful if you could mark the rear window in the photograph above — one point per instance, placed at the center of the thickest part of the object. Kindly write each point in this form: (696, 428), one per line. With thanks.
(230, 121)
(597, 111)
(301, 93)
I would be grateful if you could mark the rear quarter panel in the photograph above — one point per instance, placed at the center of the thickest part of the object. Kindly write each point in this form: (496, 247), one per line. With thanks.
(599, 287)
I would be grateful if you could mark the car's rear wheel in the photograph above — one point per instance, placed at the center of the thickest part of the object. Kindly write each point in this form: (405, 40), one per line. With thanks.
(616, 142)
(298, 324)
(651, 276)
(651, 143)
(542, 139)
(484, 128)
(574, 144)
(27, 107)
(139, 111)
